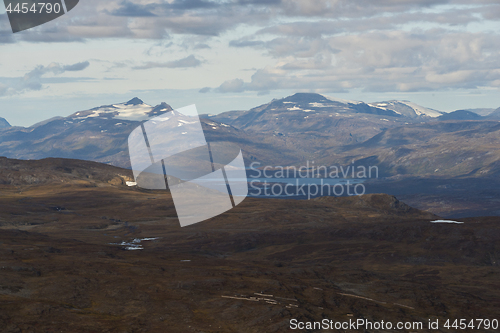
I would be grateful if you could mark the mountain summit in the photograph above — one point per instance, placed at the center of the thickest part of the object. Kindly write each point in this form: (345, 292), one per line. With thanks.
(4, 123)
(134, 110)
(135, 101)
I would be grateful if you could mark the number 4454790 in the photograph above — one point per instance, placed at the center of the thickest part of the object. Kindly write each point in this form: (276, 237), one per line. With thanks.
(472, 324)
(43, 8)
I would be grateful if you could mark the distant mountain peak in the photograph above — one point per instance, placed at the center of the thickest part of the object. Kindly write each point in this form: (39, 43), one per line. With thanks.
(495, 114)
(460, 115)
(135, 101)
(133, 110)
(4, 123)
(160, 109)
(303, 97)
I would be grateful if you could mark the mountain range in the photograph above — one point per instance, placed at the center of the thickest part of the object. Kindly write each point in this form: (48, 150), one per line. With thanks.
(448, 163)
(287, 131)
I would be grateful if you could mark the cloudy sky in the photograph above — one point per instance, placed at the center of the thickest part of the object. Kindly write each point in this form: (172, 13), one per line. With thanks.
(237, 54)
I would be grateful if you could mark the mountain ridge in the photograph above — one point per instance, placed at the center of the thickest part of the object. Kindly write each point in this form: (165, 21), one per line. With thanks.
(286, 131)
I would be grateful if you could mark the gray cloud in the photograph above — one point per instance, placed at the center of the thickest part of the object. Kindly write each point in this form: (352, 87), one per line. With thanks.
(246, 43)
(131, 9)
(231, 86)
(129, 19)
(189, 61)
(368, 49)
(201, 46)
(33, 79)
(79, 66)
(205, 90)
(419, 60)
(332, 45)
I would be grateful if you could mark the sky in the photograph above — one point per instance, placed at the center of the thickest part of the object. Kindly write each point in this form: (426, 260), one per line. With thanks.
(238, 54)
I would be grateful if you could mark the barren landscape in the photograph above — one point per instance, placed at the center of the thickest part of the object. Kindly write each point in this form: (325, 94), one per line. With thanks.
(82, 252)
(250, 166)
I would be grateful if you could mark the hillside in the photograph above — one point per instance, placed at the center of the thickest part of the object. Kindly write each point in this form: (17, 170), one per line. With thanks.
(66, 257)
(454, 148)
(57, 170)
(460, 115)
(495, 114)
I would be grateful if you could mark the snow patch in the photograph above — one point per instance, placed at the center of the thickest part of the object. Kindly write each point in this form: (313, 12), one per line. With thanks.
(318, 105)
(135, 244)
(345, 101)
(189, 122)
(121, 111)
(446, 221)
(420, 110)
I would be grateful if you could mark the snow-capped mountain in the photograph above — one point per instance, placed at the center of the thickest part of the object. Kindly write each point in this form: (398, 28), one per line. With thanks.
(407, 109)
(133, 110)
(283, 131)
(298, 111)
(288, 114)
(99, 134)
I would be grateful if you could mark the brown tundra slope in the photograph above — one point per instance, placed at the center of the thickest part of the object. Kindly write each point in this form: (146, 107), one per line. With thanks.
(64, 263)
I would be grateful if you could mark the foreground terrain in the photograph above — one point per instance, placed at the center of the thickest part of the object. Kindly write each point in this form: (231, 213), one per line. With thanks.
(67, 261)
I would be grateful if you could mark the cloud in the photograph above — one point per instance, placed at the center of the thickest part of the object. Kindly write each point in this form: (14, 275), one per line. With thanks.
(201, 46)
(189, 61)
(33, 79)
(235, 85)
(147, 20)
(131, 9)
(157, 19)
(79, 66)
(332, 45)
(418, 60)
(246, 43)
(202, 90)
